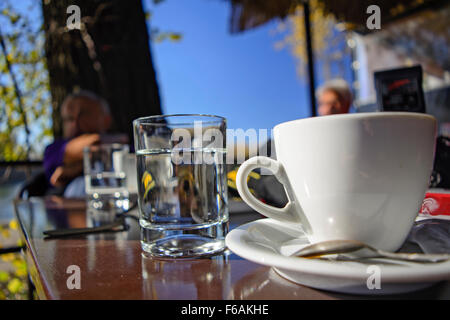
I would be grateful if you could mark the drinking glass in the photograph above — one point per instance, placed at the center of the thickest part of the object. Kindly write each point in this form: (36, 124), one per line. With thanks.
(105, 177)
(182, 189)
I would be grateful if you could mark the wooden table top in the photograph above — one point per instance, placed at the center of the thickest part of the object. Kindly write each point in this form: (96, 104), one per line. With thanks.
(112, 265)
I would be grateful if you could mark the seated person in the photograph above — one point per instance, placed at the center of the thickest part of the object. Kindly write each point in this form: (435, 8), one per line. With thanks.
(334, 97)
(86, 119)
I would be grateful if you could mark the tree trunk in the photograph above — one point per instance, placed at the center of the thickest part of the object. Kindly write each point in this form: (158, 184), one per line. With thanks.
(109, 55)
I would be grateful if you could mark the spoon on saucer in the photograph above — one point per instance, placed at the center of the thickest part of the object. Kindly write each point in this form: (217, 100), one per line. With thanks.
(345, 246)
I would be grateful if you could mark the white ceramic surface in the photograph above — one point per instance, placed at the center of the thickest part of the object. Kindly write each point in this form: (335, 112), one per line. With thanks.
(270, 242)
(354, 176)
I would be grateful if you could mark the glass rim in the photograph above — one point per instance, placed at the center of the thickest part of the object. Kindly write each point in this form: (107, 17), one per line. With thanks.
(141, 120)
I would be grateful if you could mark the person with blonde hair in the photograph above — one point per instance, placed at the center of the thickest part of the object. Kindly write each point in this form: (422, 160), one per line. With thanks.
(334, 97)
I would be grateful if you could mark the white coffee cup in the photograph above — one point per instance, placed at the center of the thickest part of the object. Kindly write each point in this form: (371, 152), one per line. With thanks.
(354, 176)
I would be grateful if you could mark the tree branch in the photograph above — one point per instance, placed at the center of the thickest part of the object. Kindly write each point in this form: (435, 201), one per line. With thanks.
(18, 96)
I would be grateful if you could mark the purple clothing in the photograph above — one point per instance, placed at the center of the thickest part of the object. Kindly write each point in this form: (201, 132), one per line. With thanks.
(54, 156)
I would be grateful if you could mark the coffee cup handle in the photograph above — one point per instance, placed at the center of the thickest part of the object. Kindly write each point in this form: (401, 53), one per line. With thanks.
(288, 213)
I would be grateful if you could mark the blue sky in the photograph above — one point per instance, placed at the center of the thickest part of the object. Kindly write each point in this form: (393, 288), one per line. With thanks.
(241, 77)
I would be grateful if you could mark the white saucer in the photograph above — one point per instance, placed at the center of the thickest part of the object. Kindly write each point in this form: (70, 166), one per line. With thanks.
(269, 242)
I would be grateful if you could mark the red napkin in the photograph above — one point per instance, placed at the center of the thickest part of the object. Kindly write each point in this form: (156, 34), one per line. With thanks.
(436, 202)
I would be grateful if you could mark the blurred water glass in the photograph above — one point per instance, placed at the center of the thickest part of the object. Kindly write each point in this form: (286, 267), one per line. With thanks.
(106, 178)
(130, 171)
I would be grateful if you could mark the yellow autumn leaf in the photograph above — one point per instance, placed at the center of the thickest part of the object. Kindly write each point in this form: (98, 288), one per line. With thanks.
(21, 272)
(148, 183)
(7, 257)
(4, 276)
(175, 37)
(146, 178)
(13, 225)
(15, 285)
(232, 175)
(254, 175)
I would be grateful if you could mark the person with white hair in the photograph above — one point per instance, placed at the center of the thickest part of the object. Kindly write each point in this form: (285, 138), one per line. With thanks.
(334, 97)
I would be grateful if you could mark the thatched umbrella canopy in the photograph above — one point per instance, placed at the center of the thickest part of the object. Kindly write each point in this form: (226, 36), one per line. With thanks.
(248, 14)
